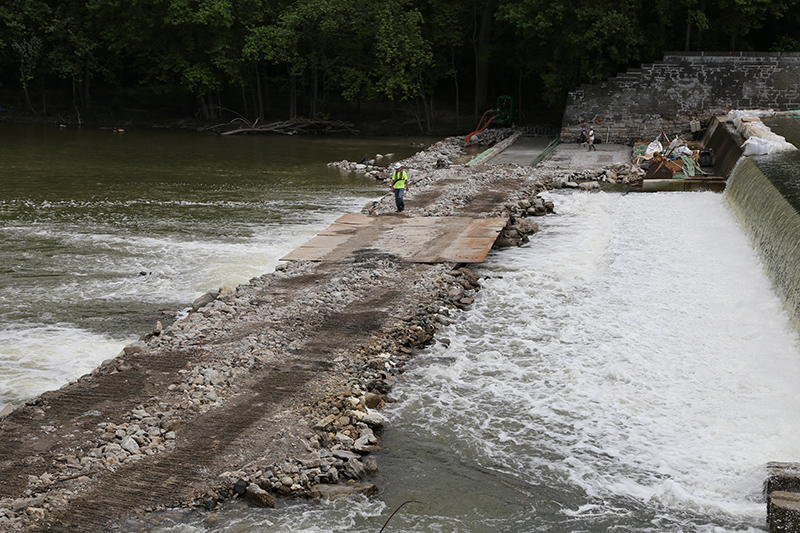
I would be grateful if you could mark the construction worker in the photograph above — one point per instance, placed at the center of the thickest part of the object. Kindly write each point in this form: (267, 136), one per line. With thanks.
(399, 186)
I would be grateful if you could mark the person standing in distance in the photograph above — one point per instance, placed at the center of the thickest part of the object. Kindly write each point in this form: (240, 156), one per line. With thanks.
(400, 184)
(591, 140)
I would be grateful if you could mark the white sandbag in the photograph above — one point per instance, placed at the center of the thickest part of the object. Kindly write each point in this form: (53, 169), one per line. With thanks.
(653, 147)
(757, 146)
(767, 145)
(760, 139)
(736, 115)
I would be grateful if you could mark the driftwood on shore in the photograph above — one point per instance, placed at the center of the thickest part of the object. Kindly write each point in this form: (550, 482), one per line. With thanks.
(295, 126)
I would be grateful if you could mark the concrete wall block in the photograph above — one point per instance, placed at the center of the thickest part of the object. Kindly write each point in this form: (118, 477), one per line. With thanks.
(783, 512)
(690, 83)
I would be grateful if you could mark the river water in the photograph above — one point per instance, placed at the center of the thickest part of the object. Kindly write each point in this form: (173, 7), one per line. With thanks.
(103, 234)
(630, 369)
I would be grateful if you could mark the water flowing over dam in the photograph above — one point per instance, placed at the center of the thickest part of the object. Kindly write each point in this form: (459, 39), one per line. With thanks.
(773, 224)
(764, 194)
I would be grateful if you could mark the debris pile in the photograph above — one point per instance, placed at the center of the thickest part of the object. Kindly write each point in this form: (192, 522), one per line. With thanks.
(490, 136)
(678, 160)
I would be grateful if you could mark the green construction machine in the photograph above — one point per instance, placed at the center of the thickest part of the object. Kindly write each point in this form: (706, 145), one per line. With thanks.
(502, 115)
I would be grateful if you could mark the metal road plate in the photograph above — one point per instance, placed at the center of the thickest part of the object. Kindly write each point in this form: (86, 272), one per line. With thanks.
(411, 239)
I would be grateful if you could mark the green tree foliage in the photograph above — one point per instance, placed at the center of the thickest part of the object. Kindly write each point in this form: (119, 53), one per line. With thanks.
(24, 25)
(571, 42)
(235, 57)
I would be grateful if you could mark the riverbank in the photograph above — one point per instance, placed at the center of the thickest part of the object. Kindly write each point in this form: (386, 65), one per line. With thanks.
(369, 122)
(273, 388)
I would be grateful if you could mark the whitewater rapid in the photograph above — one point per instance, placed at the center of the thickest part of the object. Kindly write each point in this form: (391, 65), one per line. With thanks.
(634, 352)
(630, 369)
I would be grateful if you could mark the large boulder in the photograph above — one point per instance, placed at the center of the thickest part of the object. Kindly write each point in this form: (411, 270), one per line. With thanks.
(204, 300)
(258, 496)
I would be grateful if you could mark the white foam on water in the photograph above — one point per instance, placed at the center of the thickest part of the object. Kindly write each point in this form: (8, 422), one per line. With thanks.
(66, 270)
(634, 350)
(97, 264)
(45, 357)
(355, 515)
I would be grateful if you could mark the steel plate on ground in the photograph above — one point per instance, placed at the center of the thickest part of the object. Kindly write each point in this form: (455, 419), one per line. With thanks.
(411, 239)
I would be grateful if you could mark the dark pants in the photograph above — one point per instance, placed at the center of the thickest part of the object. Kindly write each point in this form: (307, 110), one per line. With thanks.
(398, 199)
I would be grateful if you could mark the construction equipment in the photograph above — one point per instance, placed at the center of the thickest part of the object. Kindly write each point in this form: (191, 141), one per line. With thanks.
(502, 115)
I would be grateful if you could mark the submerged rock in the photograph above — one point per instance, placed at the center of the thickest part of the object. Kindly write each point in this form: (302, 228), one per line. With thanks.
(339, 491)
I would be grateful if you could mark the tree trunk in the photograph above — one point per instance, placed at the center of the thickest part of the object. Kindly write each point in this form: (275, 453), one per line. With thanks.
(75, 96)
(85, 87)
(688, 30)
(482, 59)
(27, 95)
(266, 89)
(519, 96)
(415, 109)
(455, 84)
(427, 107)
(700, 30)
(260, 103)
(28, 52)
(292, 96)
(202, 101)
(314, 92)
(44, 98)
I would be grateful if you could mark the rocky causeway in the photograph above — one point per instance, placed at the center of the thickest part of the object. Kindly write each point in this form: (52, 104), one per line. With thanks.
(271, 389)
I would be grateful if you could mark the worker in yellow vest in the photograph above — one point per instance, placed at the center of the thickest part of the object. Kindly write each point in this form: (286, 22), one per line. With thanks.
(400, 185)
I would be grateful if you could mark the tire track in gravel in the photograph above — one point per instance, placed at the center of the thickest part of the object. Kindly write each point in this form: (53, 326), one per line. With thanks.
(206, 443)
(171, 477)
(72, 412)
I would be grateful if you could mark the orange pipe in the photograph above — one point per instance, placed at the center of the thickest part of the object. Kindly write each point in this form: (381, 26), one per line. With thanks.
(481, 128)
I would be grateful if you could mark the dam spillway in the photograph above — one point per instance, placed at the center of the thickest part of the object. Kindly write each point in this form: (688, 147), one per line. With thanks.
(773, 225)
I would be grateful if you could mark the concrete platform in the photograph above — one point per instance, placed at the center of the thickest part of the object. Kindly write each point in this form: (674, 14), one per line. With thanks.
(572, 156)
(522, 152)
(715, 184)
(408, 239)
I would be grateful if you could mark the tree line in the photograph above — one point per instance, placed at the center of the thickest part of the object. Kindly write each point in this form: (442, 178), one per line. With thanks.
(290, 58)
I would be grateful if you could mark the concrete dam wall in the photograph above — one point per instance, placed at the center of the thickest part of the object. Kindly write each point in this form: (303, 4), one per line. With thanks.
(668, 94)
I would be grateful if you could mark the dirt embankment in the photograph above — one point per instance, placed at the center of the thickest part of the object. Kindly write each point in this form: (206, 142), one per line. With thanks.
(271, 389)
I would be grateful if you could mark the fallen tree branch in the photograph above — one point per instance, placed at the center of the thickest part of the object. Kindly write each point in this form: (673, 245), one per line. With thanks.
(297, 126)
(237, 119)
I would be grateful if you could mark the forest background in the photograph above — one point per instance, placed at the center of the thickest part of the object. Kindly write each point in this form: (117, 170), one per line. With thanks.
(391, 66)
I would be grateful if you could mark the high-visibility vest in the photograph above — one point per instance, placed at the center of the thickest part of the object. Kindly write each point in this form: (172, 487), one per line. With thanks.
(399, 179)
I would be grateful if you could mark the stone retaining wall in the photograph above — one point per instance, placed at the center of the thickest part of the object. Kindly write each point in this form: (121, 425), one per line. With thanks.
(668, 94)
